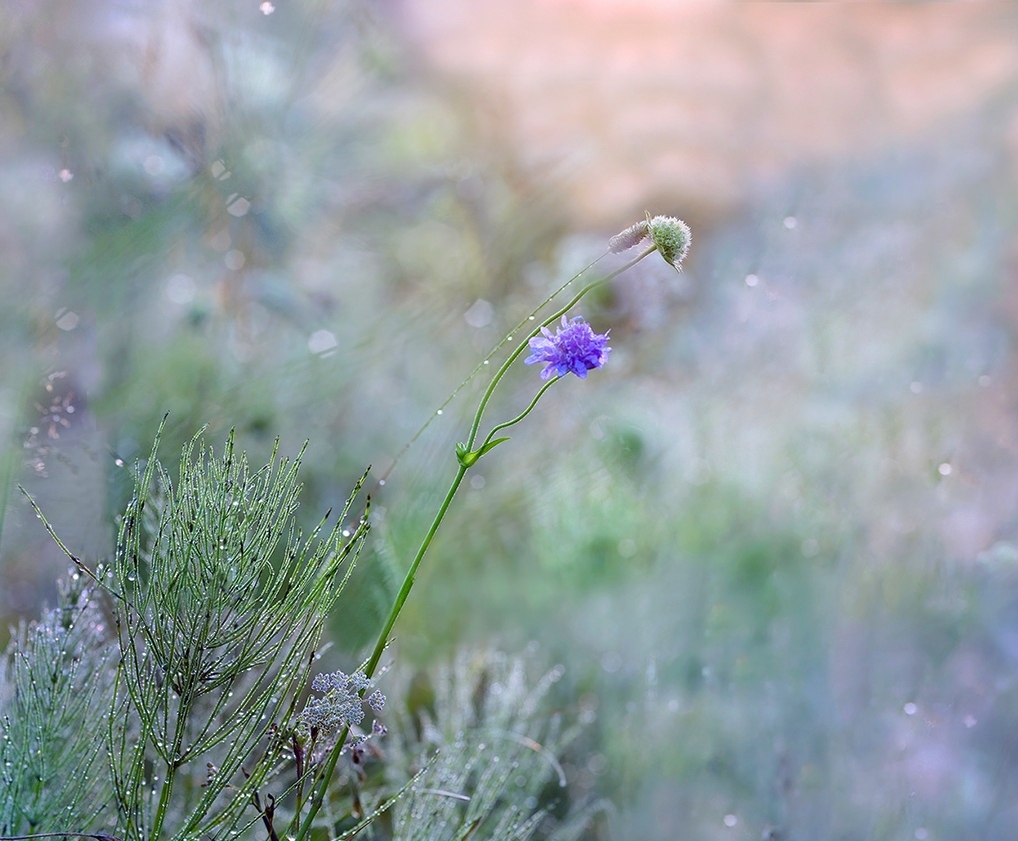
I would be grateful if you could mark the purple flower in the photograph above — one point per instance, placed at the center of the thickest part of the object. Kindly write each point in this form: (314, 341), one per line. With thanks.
(574, 347)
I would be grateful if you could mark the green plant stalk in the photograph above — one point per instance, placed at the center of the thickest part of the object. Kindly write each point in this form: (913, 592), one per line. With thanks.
(164, 801)
(408, 580)
(171, 773)
(300, 783)
(507, 338)
(397, 607)
(376, 655)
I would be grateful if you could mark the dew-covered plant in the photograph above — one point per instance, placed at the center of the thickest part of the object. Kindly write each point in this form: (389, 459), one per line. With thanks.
(481, 740)
(56, 692)
(217, 605)
(170, 692)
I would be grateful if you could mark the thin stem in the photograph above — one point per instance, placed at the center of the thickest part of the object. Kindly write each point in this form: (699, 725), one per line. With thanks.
(521, 415)
(408, 581)
(100, 836)
(376, 655)
(172, 767)
(505, 340)
(164, 800)
(56, 538)
(302, 772)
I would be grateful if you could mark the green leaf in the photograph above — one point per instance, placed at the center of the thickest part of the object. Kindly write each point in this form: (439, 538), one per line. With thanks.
(468, 458)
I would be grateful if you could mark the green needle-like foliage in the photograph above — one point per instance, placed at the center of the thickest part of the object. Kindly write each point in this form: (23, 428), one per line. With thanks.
(56, 684)
(219, 605)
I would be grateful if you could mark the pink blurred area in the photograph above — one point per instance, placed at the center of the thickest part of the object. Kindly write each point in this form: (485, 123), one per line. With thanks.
(704, 102)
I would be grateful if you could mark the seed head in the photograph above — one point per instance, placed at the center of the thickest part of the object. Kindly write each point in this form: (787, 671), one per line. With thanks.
(671, 236)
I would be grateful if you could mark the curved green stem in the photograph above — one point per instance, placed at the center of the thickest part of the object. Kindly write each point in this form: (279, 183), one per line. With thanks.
(521, 415)
(505, 340)
(408, 580)
(526, 342)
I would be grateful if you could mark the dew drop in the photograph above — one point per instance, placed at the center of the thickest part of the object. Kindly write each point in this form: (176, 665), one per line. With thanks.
(238, 206)
(66, 319)
(480, 314)
(322, 341)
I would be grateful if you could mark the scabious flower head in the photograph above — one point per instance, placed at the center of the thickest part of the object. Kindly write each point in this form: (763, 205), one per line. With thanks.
(671, 236)
(574, 347)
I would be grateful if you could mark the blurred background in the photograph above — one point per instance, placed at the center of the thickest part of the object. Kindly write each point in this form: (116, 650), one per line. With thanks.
(772, 542)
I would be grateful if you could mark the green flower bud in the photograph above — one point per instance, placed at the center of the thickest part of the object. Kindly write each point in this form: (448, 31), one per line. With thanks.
(671, 236)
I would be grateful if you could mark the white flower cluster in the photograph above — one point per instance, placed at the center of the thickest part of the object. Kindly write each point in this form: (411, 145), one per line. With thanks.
(341, 704)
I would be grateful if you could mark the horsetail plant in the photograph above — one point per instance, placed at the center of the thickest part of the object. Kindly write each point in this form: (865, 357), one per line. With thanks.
(161, 698)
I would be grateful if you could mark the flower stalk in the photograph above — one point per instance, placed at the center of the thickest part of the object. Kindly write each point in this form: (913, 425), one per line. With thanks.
(573, 348)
